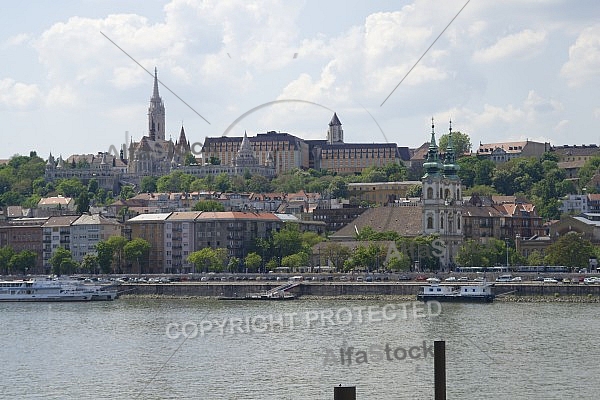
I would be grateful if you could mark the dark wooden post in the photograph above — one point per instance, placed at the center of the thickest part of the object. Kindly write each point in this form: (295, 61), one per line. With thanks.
(439, 369)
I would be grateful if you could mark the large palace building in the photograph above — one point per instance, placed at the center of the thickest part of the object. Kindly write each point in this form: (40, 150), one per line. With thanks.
(288, 151)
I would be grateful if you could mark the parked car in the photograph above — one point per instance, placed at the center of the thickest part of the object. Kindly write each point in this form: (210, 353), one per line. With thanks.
(549, 280)
(404, 278)
(433, 280)
(516, 279)
(463, 279)
(450, 279)
(504, 278)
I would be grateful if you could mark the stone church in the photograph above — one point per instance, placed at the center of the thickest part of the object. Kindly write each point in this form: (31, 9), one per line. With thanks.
(153, 154)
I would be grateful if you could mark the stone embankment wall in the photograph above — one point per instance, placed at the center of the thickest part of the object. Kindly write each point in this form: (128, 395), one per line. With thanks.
(209, 289)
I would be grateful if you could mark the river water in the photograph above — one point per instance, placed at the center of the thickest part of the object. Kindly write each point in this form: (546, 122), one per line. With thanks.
(207, 349)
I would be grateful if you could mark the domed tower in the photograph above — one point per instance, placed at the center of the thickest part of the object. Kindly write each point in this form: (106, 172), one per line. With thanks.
(442, 201)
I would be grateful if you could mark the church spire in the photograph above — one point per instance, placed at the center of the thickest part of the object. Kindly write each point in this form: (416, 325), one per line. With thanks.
(432, 165)
(335, 134)
(155, 94)
(156, 112)
(450, 166)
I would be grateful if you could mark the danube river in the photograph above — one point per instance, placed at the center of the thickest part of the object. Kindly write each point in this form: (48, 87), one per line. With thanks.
(207, 349)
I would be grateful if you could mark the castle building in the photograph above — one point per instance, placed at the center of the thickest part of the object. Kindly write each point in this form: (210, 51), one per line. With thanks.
(442, 199)
(332, 154)
(282, 150)
(289, 152)
(243, 161)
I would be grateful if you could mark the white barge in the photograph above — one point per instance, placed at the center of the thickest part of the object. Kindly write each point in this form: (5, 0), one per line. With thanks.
(479, 293)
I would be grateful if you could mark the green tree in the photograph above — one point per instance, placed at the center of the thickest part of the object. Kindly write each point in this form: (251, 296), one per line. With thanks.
(22, 261)
(295, 261)
(535, 258)
(71, 187)
(89, 264)
(148, 184)
(176, 181)
(105, 253)
(335, 254)
(127, 192)
(252, 262)
(136, 250)
(83, 203)
(56, 261)
(570, 250)
(589, 169)
(223, 182)
(204, 260)
(117, 243)
(93, 186)
(259, 184)
(6, 253)
(234, 264)
(208, 205)
(461, 143)
(475, 171)
(338, 188)
(189, 159)
(288, 240)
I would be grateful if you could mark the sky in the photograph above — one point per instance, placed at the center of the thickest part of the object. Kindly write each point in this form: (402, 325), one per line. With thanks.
(501, 71)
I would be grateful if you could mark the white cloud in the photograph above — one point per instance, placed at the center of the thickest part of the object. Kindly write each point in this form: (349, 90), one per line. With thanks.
(17, 40)
(515, 45)
(60, 96)
(561, 126)
(584, 58)
(17, 95)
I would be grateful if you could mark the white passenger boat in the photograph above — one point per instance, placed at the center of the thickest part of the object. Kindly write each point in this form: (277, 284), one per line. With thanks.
(479, 293)
(34, 290)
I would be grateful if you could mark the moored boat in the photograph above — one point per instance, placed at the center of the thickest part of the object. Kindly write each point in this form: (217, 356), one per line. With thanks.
(479, 293)
(33, 290)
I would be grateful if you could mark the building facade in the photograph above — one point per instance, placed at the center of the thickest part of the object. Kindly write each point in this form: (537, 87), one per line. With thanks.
(56, 233)
(504, 151)
(25, 234)
(88, 230)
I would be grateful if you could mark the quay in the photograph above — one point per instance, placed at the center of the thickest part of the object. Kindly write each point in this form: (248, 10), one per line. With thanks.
(343, 289)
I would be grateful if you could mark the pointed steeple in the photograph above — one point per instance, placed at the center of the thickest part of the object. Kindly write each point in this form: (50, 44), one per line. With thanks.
(432, 165)
(335, 133)
(155, 94)
(156, 112)
(245, 146)
(50, 163)
(182, 138)
(245, 155)
(450, 166)
(335, 121)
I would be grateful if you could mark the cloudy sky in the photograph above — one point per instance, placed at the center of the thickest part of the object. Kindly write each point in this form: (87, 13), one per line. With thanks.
(503, 70)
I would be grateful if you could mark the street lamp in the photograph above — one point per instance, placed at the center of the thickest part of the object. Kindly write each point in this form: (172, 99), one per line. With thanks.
(506, 243)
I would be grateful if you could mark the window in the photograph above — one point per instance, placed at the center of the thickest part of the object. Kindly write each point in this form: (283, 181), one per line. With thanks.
(429, 193)
(429, 223)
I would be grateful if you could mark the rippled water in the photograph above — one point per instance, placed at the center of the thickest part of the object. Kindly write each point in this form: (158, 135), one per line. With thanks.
(123, 350)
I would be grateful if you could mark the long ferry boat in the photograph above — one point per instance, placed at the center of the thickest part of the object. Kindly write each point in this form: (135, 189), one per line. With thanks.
(54, 290)
(479, 293)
